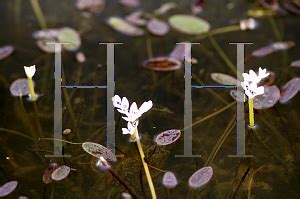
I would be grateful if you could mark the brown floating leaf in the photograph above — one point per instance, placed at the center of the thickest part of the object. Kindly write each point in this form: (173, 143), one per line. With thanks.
(60, 173)
(124, 27)
(169, 180)
(158, 27)
(295, 63)
(224, 79)
(136, 18)
(167, 137)
(162, 64)
(5, 51)
(289, 90)
(97, 150)
(8, 188)
(277, 46)
(201, 177)
(268, 99)
(48, 172)
(130, 3)
(94, 6)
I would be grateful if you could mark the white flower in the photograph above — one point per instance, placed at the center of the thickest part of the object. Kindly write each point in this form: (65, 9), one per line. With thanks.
(262, 73)
(251, 89)
(131, 126)
(30, 71)
(121, 105)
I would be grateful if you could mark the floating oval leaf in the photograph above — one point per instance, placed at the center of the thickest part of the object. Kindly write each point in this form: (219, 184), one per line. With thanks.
(48, 172)
(169, 180)
(94, 6)
(5, 51)
(277, 46)
(19, 87)
(167, 137)
(158, 27)
(136, 18)
(162, 64)
(238, 96)
(295, 63)
(164, 8)
(44, 45)
(124, 27)
(201, 177)
(268, 99)
(289, 90)
(46, 34)
(70, 36)
(8, 188)
(224, 79)
(60, 173)
(97, 150)
(189, 24)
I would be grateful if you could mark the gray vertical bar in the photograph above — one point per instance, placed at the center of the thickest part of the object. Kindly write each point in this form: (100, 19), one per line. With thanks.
(240, 129)
(57, 117)
(110, 120)
(188, 121)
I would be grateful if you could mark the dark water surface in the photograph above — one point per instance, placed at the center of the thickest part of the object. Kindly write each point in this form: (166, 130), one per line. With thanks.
(273, 170)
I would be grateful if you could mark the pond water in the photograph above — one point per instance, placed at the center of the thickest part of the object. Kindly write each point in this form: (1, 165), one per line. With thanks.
(272, 172)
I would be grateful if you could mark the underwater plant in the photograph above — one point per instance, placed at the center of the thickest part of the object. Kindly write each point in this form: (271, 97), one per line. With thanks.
(133, 113)
(250, 85)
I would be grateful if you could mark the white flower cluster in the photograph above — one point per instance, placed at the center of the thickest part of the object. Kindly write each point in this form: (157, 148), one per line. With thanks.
(132, 113)
(251, 81)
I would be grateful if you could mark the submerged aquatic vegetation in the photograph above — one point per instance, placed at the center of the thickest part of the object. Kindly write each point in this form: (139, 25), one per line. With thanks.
(167, 137)
(162, 64)
(132, 114)
(250, 85)
(201, 177)
(8, 188)
(169, 180)
(5, 51)
(189, 24)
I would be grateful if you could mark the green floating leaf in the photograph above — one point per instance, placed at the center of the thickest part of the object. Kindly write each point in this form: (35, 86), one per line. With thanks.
(189, 24)
(70, 36)
(124, 27)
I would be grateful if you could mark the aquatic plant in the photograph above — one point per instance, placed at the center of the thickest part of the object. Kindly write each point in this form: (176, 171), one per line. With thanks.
(30, 71)
(8, 188)
(133, 113)
(60, 173)
(250, 85)
(169, 180)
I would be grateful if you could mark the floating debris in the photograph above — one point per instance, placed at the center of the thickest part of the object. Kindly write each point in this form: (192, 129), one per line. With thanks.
(167, 137)
(5, 51)
(238, 96)
(189, 24)
(8, 188)
(158, 27)
(80, 57)
(60, 173)
(196, 6)
(295, 63)
(97, 150)
(162, 64)
(201, 177)
(48, 172)
(268, 99)
(130, 3)
(67, 131)
(248, 24)
(93, 6)
(224, 79)
(19, 87)
(277, 46)
(70, 36)
(136, 18)
(164, 8)
(124, 27)
(169, 180)
(289, 90)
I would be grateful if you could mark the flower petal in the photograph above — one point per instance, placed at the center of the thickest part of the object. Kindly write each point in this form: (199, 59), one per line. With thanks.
(30, 71)
(146, 106)
(116, 101)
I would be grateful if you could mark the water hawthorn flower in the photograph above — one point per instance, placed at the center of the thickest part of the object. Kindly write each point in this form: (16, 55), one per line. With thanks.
(132, 113)
(251, 80)
(30, 71)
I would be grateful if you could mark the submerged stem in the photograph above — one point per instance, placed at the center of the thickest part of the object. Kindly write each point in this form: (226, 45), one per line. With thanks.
(38, 13)
(145, 165)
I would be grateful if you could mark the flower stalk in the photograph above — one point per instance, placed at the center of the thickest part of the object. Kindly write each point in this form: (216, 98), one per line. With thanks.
(31, 88)
(38, 13)
(30, 71)
(251, 113)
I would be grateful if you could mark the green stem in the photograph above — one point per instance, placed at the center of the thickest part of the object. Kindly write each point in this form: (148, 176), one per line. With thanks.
(251, 112)
(38, 13)
(31, 89)
(16, 133)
